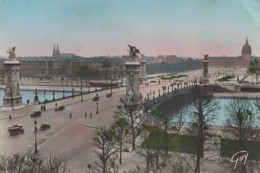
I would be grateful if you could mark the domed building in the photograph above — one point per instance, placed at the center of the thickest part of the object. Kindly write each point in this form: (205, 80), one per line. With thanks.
(246, 51)
(243, 60)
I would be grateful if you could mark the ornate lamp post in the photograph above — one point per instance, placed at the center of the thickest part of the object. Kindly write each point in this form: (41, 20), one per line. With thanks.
(36, 92)
(53, 95)
(81, 93)
(44, 92)
(97, 108)
(73, 93)
(150, 88)
(111, 86)
(35, 142)
(63, 93)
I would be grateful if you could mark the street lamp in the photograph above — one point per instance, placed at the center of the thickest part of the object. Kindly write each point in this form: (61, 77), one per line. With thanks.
(44, 92)
(150, 88)
(36, 92)
(35, 144)
(73, 93)
(111, 86)
(81, 93)
(53, 95)
(97, 108)
(63, 93)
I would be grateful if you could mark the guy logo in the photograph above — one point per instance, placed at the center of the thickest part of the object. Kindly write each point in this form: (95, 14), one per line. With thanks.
(240, 156)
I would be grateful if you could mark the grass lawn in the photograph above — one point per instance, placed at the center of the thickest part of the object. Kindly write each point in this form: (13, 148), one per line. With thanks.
(226, 78)
(173, 77)
(230, 147)
(179, 143)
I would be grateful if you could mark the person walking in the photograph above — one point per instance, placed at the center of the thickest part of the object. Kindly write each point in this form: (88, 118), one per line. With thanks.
(85, 114)
(56, 105)
(70, 115)
(10, 117)
(90, 115)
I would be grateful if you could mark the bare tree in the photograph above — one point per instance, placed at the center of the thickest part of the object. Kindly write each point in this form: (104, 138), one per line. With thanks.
(203, 109)
(30, 162)
(134, 113)
(241, 119)
(106, 149)
(120, 131)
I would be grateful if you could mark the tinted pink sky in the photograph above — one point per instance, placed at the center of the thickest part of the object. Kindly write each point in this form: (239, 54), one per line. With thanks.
(101, 27)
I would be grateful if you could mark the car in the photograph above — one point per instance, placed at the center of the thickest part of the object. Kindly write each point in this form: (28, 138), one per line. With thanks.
(45, 126)
(109, 95)
(96, 98)
(60, 108)
(15, 129)
(36, 114)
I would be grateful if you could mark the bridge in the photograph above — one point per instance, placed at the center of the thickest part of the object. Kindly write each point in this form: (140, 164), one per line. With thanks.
(154, 103)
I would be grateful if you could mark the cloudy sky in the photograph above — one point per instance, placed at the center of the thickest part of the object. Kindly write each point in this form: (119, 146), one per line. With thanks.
(105, 27)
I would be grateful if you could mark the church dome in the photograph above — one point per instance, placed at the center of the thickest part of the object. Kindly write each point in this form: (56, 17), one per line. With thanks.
(246, 49)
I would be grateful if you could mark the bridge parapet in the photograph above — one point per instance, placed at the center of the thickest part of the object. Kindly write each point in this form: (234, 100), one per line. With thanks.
(151, 104)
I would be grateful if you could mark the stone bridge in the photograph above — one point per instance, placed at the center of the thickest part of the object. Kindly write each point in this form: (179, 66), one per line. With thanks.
(154, 103)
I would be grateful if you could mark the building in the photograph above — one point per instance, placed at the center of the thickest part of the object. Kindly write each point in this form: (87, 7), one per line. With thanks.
(66, 65)
(243, 60)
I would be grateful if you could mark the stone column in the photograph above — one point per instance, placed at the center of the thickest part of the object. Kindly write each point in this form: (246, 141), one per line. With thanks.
(205, 75)
(12, 96)
(132, 78)
(142, 69)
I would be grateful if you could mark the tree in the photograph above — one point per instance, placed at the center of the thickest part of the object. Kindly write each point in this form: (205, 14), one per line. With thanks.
(167, 122)
(120, 132)
(84, 73)
(30, 162)
(240, 118)
(134, 113)
(106, 149)
(254, 68)
(203, 109)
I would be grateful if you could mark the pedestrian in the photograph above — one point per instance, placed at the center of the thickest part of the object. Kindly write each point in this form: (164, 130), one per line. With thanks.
(85, 114)
(56, 105)
(70, 115)
(90, 115)
(10, 117)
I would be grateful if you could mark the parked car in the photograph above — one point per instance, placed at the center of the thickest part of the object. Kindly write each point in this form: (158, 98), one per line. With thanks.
(96, 98)
(45, 126)
(60, 108)
(15, 129)
(109, 95)
(36, 114)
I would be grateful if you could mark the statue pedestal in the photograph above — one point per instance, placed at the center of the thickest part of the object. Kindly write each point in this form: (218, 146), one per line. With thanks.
(12, 95)
(205, 78)
(132, 78)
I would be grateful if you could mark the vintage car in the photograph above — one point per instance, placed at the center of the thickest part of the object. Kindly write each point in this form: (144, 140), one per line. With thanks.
(45, 126)
(96, 98)
(109, 95)
(15, 129)
(36, 114)
(60, 108)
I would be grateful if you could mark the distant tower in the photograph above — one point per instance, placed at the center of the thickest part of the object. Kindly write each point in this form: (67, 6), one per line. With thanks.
(57, 51)
(205, 74)
(246, 53)
(54, 51)
(12, 96)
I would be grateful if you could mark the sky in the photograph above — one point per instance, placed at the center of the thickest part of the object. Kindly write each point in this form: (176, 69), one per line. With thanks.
(187, 28)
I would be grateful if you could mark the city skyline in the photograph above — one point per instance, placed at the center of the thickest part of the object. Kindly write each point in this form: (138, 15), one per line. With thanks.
(101, 28)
